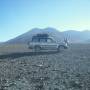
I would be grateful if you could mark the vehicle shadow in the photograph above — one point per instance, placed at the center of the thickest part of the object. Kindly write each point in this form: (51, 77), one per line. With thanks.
(22, 54)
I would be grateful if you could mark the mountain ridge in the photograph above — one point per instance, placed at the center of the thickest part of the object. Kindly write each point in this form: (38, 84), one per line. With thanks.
(72, 35)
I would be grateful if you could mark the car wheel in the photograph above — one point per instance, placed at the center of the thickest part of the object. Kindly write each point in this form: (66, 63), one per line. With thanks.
(60, 48)
(37, 48)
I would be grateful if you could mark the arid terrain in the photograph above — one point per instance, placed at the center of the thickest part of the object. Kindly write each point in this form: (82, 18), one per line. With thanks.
(22, 69)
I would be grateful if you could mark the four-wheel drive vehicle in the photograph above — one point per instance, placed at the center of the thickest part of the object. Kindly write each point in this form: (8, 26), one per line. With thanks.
(46, 43)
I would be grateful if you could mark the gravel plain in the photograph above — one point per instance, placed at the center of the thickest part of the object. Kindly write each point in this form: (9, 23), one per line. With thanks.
(26, 70)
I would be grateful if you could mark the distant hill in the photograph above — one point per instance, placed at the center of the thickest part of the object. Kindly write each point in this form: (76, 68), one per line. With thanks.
(87, 41)
(77, 36)
(1, 42)
(24, 38)
(72, 35)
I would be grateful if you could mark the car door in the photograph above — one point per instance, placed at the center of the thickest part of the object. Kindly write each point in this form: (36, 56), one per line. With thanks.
(51, 44)
(43, 43)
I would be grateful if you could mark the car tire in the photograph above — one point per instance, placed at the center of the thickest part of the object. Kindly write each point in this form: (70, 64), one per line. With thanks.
(60, 48)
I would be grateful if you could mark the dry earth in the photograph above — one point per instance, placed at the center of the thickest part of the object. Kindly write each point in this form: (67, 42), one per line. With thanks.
(21, 69)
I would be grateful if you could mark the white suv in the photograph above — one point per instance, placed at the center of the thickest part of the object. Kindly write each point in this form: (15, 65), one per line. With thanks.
(45, 43)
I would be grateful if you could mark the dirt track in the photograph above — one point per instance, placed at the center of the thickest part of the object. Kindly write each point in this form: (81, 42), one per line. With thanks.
(67, 70)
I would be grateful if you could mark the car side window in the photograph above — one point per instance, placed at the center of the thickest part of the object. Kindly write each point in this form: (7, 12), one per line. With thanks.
(43, 40)
(35, 40)
(49, 41)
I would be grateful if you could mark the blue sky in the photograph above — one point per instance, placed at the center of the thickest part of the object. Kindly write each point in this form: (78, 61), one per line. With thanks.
(19, 16)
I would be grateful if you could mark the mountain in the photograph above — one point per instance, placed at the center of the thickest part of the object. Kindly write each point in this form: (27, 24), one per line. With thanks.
(77, 36)
(24, 38)
(1, 42)
(88, 41)
(72, 35)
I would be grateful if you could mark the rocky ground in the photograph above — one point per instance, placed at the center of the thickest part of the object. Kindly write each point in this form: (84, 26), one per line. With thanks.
(66, 70)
